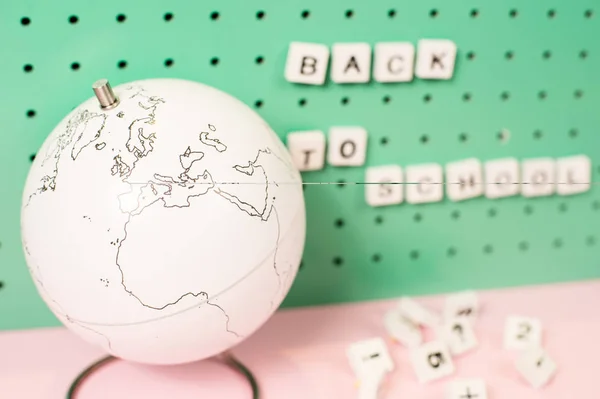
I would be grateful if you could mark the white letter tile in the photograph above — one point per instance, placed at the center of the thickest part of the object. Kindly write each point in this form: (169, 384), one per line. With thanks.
(347, 146)
(351, 63)
(425, 183)
(467, 389)
(461, 304)
(394, 62)
(307, 149)
(459, 335)
(369, 357)
(502, 178)
(417, 313)
(536, 367)
(401, 329)
(431, 361)
(384, 194)
(464, 179)
(574, 174)
(522, 333)
(538, 177)
(435, 59)
(307, 63)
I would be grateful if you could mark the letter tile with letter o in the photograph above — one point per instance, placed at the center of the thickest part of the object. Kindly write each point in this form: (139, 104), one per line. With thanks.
(307, 63)
(538, 177)
(502, 178)
(347, 146)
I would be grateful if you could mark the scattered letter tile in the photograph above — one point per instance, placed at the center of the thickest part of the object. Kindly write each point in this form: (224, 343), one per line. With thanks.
(502, 178)
(464, 179)
(384, 194)
(538, 177)
(573, 174)
(307, 149)
(467, 389)
(461, 304)
(522, 333)
(347, 146)
(459, 335)
(351, 62)
(435, 59)
(417, 313)
(432, 361)
(401, 329)
(307, 63)
(425, 183)
(394, 62)
(536, 367)
(369, 357)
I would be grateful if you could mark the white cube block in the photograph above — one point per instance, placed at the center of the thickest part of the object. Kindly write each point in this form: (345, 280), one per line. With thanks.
(459, 335)
(461, 304)
(394, 62)
(369, 357)
(502, 178)
(424, 183)
(307, 149)
(538, 177)
(573, 174)
(464, 179)
(347, 146)
(522, 333)
(401, 329)
(369, 386)
(417, 313)
(432, 361)
(351, 62)
(384, 193)
(435, 59)
(467, 389)
(536, 367)
(307, 63)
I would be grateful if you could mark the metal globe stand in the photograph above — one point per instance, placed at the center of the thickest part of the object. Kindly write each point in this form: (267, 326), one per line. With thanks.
(226, 358)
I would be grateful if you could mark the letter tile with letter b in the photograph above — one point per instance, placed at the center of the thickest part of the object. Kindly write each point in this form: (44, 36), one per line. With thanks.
(458, 335)
(347, 146)
(424, 183)
(307, 63)
(401, 329)
(522, 333)
(536, 367)
(351, 62)
(464, 179)
(538, 177)
(435, 59)
(394, 62)
(383, 194)
(369, 357)
(461, 304)
(307, 149)
(467, 389)
(502, 178)
(573, 174)
(431, 361)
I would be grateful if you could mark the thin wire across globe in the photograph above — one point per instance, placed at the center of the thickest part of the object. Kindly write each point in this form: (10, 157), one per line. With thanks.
(134, 244)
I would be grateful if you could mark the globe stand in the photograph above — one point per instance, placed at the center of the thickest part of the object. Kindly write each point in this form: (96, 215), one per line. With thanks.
(226, 358)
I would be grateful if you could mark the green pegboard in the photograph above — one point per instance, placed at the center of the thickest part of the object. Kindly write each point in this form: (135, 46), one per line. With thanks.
(530, 70)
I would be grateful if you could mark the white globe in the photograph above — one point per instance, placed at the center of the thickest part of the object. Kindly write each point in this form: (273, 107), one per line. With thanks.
(168, 229)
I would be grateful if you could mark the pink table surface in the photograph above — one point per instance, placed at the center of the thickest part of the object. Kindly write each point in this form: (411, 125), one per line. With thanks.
(300, 353)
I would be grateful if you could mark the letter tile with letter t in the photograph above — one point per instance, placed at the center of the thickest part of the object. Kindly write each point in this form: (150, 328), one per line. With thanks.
(384, 185)
(424, 183)
(435, 59)
(351, 62)
(502, 178)
(573, 174)
(431, 361)
(307, 149)
(307, 63)
(347, 146)
(394, 62)
(464, 179)
(538, 177)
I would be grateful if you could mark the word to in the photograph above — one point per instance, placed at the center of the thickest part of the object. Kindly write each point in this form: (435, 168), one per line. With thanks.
(307, 63)
(423, 183)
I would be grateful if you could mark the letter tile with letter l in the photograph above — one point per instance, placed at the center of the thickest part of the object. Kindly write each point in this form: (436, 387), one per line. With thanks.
(307, 149)
(307, 63)
(424, 183)
(573, 174)
(383, 194)
(464, 179)
(435, 59)
(522, 333)
(351, 62)
(538, 177)
(467, 389)
(536, 367)
(431, 361)
(347, 146)
(502, 178)
(394, 62)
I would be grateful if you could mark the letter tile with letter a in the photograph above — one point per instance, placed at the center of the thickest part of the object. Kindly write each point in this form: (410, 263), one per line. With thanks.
(394, 62)
(307, 149)
(307, 63)
(424, 183)
(536, 367)
(522, 333)
(431, 361)
(435, 59)
(573, 174)
(538, 177)
(467, 389)
(347, 146)
(383, 194)
(351, 62)
(502, 178)
(464, 179)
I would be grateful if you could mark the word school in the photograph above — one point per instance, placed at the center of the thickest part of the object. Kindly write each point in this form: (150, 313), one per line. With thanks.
(467, 178)
(307, 63)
